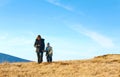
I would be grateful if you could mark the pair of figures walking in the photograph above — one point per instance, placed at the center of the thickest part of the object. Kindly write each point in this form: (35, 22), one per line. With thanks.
(40, 46)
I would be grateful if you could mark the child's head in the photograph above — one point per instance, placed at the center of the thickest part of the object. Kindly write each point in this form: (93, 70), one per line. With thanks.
(48, 44)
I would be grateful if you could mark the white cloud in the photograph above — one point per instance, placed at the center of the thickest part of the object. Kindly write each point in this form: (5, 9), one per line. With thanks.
(2, 37)
(99, 38)
(18, 45)
(57, 3)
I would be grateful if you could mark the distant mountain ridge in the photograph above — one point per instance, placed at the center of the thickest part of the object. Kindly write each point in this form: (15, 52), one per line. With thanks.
(11, 59)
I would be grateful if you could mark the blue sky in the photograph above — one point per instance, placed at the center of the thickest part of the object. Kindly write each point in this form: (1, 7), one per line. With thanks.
(76, 29)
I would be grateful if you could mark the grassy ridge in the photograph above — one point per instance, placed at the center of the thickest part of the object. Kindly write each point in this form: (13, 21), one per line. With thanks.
(101, 66)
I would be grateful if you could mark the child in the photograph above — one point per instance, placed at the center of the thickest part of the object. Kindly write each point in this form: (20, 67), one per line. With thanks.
(49, 53)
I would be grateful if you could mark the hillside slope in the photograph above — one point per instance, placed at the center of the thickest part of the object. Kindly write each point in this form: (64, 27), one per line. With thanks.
(9, 58)
(101, 66)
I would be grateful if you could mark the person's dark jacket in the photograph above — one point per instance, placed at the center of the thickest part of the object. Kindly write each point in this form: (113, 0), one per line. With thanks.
(40, 44)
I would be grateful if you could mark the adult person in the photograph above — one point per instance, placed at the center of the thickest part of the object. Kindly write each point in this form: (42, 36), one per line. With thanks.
(49, 53)
(39, 45)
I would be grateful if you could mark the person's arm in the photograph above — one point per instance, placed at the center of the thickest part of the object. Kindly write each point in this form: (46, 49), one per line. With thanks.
(42, 44)
(35, 43)
(46, 50)
(52, 51)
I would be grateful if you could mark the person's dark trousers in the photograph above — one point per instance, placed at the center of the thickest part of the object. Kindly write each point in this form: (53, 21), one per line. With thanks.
(40, 57)
(49, 58)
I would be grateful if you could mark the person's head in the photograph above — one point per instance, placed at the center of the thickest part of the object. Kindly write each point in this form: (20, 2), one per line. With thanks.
(48, 44)
(38, 37)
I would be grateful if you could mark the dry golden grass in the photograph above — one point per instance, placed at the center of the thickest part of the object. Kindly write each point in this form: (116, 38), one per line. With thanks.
(101, 66)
